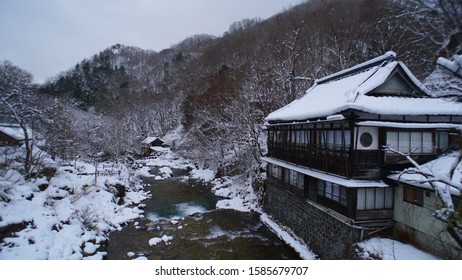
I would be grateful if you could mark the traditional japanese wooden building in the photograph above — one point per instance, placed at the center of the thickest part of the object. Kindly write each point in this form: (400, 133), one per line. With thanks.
(150, 142)
(326, 158)
(11, 135)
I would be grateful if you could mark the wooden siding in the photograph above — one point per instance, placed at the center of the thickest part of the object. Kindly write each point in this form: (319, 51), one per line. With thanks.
(362, 215)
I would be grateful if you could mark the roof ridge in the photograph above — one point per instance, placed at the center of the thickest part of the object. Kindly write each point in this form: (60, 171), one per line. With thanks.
(380, 60)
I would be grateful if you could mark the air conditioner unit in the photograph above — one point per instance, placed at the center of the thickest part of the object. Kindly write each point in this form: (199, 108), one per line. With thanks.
(367, 138)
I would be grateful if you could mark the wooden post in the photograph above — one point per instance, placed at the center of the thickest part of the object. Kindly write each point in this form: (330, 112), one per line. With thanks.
(96, 172)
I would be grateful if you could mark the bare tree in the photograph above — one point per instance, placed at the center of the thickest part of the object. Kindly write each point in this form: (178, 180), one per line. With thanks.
(290, 45)
(438, 22)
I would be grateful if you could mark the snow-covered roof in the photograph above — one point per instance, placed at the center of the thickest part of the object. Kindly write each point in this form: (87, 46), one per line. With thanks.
(411, 125)
(352, 88)
(149, 140)
(14, 131)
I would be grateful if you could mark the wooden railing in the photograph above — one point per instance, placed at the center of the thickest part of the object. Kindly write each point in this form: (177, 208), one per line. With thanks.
(332, 159)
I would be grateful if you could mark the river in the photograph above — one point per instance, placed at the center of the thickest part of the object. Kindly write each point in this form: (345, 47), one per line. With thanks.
(182, 223)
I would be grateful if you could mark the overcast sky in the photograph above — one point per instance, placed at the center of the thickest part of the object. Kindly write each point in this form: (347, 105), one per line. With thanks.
(46, 37)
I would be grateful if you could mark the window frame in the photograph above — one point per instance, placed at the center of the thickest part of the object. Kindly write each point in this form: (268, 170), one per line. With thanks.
(333, 192)
(386, 198)
(413, 195)
(404, 141)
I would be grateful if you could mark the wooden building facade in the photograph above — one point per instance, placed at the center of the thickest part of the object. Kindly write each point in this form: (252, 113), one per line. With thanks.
(330, 146)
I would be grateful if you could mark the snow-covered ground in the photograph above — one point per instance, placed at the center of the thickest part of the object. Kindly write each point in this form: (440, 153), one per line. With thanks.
(389, 249)
(71, 218)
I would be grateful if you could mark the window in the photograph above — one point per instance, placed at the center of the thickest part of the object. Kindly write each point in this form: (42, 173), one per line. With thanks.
(334, 140)
(403, 142)
(414, 196)
(392, 140)
(417, 142)
(442, 140)
(293, 136)
(300, 181)
(280, 136)
(275, 171)
(330, 138)
(290, 177)
(374, 198)
(286, 175)
(347, 135)
(427, 143)
(293, 178)
(332, 191)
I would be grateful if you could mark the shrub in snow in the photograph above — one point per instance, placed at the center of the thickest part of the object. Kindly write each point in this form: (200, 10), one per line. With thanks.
(88, 218)
(4, 197)
(49, 172)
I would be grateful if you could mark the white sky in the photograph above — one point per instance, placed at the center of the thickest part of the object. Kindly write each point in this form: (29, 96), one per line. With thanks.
(46, 37)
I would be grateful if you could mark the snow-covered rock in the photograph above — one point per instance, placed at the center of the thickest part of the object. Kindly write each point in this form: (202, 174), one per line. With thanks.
(157, 240)
(90, 248)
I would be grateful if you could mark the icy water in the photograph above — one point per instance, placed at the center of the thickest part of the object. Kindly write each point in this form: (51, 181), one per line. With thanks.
(184, 213)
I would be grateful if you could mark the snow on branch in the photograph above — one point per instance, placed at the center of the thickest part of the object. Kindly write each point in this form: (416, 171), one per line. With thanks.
(303, 78)
(439, 181)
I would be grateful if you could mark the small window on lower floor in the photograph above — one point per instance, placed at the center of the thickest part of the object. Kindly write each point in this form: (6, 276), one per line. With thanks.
(374, 198)
(414, 196)
(332, 191)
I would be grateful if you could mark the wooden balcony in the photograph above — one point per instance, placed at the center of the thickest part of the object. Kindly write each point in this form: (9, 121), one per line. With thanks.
(336, 160)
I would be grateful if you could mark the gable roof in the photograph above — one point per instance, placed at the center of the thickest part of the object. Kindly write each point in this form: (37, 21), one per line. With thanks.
(149, 140)
(381, 85)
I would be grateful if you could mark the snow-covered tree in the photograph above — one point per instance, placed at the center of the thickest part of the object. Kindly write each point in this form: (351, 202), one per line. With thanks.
(438, 22)
(446, 80)
(18, 106)
(445, 180)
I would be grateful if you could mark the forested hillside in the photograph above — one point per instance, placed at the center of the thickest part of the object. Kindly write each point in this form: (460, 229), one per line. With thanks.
(214, 92)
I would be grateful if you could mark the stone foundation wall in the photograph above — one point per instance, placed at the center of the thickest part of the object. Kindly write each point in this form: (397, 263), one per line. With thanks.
(326, 236)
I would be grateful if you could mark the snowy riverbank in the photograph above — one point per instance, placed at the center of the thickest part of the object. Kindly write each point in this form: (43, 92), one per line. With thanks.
(69, 216)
